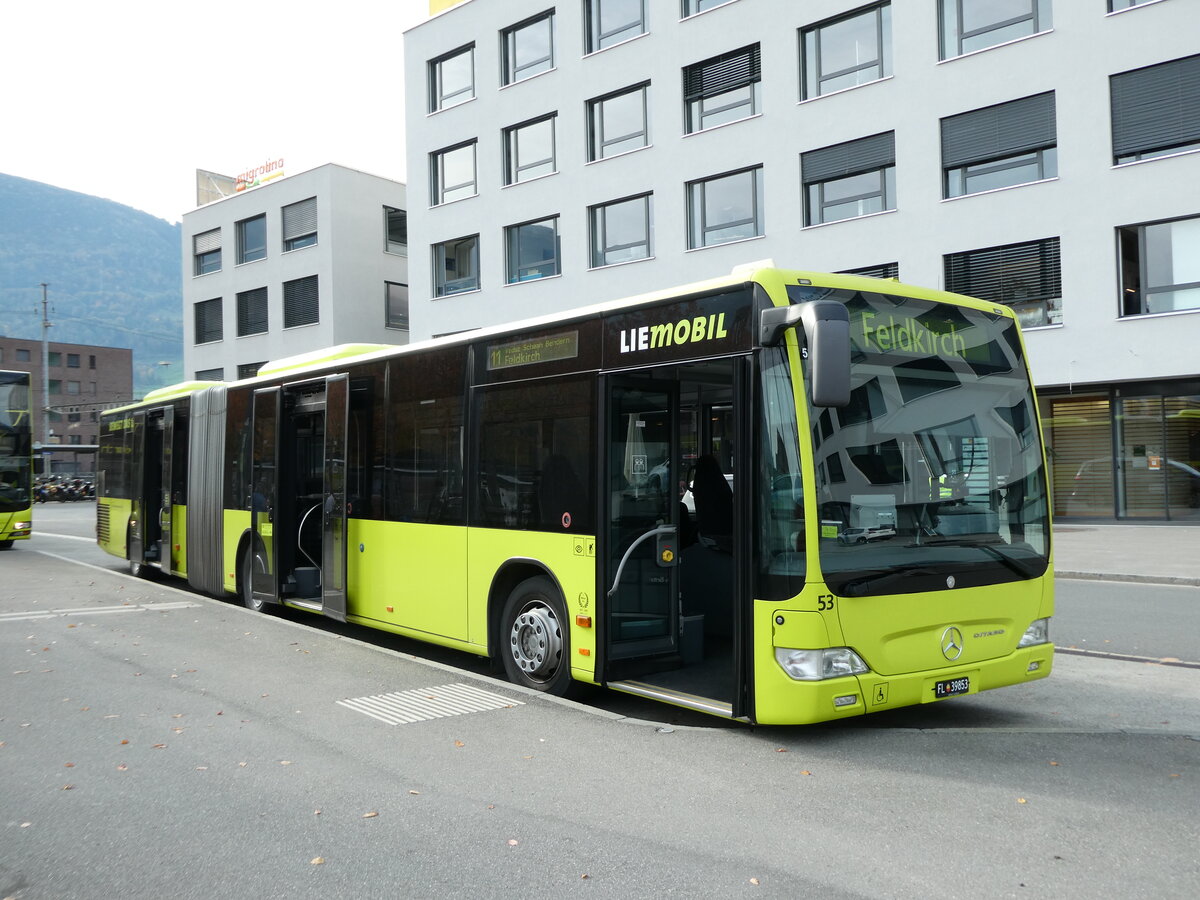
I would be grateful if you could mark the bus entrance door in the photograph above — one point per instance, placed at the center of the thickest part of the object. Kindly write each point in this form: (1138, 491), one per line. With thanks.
(642, 609)
(333, 506)
(262, 558)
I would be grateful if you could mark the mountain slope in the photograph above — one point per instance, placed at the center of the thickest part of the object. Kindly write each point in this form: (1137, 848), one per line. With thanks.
(113, 272)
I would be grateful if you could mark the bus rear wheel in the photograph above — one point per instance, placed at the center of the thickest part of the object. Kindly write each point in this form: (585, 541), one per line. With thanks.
(252, 560)
(534, 639)
(6, 545)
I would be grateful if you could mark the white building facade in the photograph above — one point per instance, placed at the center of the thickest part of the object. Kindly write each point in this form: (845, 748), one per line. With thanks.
(303, 262)
(1039, 153)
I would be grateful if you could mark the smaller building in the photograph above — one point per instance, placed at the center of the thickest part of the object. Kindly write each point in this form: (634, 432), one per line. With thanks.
(300, 263)
(84, 381)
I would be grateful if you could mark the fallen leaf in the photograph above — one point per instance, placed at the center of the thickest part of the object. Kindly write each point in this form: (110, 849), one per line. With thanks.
(159, 746)
(1022, 800)
(781, 750)
(125, 742)
(370, 815)
(414, 792)
(459, 744)
(26, 824)
(754, 881)
(201, 768)
(512, 842)
(68, 787)
(122, 767)
(318, 861)
(805, 772)
(285, 762)
(316, 812)
(241, 765)
(585, 876)
(72, 625)
(68, 765)
(1053, 763)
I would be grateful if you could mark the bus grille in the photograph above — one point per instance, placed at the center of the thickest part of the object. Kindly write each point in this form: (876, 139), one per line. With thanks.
(102, 523)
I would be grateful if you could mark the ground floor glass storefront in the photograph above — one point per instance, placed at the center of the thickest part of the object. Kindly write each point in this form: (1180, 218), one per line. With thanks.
(1128, 451)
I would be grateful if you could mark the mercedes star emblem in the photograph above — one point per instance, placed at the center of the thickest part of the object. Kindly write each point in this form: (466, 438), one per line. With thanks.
(952, 643)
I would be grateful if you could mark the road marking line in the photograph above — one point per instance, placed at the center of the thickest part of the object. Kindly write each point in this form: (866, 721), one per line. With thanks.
(95, 610)
(422, 704)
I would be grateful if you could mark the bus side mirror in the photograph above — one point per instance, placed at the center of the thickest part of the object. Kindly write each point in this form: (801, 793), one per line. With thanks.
(827, 330)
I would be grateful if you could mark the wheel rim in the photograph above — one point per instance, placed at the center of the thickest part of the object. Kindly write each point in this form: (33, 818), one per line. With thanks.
(536, 641)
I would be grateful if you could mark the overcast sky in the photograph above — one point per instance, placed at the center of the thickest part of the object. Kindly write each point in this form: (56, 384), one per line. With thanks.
(126, 99)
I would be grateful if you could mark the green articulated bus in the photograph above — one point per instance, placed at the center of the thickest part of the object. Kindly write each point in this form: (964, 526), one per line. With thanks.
(777, 497)
(16, 459)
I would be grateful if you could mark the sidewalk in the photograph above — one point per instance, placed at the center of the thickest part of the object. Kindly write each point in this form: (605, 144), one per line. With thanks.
(1162, 554)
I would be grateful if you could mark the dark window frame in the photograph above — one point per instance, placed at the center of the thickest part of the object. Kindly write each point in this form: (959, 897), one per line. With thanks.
(511, 70)
(209, 321)
(722, 79)
(248, 248)
(1016, 136)
(811, 52)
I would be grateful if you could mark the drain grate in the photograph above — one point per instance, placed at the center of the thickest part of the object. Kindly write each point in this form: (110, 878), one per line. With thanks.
(404, 707)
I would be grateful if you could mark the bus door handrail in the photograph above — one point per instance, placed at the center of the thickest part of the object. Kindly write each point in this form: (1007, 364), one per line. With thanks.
(300, 532)
(656, 532)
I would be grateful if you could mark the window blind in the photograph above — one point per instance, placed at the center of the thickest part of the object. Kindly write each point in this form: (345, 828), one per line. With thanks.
(723, 73)
(1005, 129)
(1157, 107)
(849, 158)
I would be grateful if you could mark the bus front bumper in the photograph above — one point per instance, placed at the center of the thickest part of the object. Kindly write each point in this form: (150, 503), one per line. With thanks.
(782, 700)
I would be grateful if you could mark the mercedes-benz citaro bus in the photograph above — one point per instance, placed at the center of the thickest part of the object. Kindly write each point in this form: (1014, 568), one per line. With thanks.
(16, 459)
(778, 497)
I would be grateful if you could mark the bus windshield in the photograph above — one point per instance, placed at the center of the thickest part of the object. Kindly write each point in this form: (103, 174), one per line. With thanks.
(14, 442)
(932, 477)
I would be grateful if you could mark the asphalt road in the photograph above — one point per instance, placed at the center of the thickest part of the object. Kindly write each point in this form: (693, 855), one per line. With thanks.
(156, 743)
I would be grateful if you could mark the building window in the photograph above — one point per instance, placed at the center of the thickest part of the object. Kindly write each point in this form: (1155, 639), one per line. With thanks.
(691, 7)
(722, 89)
(210, 374)
(852, 179)
(56, 385)
(395, 305)
(621, 231)
(847, 51)
(300, 224)
(1160, 267)
(613, 21)
(396, 227)
(532, 250)
(1156, 110)
(72, 360)
(528, 48)
(1000, 146)
(73, 387)
(206, 252)
(883, 270)
(618, 123)
(452, 78)
(456, 266)
(252, 312)
(54, 358)
(249, 370)
(22, 355)
(301, 302)
(453, 173)
(1116, 5)
(725, 208)
(969, 25)
(1027, 277)
(529, 150)
(208, 321)
(91, 361)
(252, 239)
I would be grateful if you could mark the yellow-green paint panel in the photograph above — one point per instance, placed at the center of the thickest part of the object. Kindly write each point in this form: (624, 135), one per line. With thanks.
(118, 512)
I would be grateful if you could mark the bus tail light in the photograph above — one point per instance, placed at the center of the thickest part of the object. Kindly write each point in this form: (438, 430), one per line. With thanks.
(1038, 632)
(817, 665)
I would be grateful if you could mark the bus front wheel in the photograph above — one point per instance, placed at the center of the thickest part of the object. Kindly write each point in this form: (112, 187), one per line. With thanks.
(534, 637)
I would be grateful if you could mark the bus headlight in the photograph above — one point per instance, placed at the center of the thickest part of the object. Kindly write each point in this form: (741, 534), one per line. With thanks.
(817, 665)
(1038, 632)
(22, 526)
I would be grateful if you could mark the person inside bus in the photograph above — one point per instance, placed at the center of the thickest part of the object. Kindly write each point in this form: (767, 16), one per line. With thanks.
(714, 503)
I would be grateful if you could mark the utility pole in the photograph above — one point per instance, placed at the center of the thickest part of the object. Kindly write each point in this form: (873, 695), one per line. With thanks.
(45, 382)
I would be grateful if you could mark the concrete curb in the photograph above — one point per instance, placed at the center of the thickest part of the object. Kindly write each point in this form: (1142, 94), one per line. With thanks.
(1136, 579)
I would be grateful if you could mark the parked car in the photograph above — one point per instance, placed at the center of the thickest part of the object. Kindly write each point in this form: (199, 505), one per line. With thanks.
(862, 535)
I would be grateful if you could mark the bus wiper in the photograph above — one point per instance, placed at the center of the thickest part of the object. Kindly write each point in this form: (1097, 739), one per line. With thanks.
(859, 587)
(985, 543)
